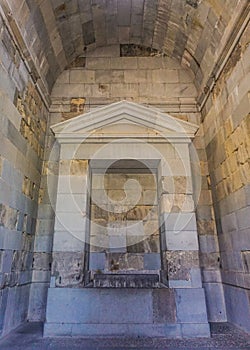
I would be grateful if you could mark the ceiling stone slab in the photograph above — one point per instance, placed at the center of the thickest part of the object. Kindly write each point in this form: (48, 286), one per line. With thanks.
(191, 31)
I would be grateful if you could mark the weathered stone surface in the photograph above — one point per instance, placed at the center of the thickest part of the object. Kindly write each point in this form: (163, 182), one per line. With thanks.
(73, 167)
(132, 228)
(163, 39)
(93, 305)
(176, 184)
(135, 245)
(176, 203)
(179, 221)
(164, 312)
(152, 261)
(68, 268)
(8, 217)
(246, 260)
(206, 227)
(42, 261)
(126, 280)
(216, 310)
(227, 149)
(185, 311)
(97, 261)
(181, 240)
(179, 264)
(239, 315)
(124, 262)
(151, 227)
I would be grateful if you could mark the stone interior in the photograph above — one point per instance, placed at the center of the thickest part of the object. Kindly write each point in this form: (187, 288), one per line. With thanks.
(61, 59)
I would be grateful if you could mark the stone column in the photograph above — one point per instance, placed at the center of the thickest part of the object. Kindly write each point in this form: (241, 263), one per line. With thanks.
(180, 260)
(71, 224)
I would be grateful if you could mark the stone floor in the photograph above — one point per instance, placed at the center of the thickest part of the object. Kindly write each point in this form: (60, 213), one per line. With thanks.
(29, 337)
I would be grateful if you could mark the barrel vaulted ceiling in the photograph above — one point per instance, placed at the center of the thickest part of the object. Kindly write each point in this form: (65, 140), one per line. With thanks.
(192, 31)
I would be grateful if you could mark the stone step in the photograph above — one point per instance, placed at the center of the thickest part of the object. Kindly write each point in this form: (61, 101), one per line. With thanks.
(112, 280)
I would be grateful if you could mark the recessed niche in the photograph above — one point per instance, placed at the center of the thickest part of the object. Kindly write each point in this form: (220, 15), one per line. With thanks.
(124, 230)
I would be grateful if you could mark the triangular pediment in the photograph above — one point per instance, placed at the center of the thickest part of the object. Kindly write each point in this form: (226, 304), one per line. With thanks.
(123, 119)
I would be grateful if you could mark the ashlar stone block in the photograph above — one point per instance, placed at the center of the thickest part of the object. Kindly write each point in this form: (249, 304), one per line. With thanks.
(109, 76)
(215, 302)
(151, 227)
(152, 244)
(68, 268)
(99, 243)
(135, 76)
(176, 184)
(71, 203)
(149, 197)
(73, 167)
(243, 217)
(176, 167)
(97, 261)
(180, 263)
(72, 184)
(176, 203)
(117, 243)
(135, 244)
(135, 228)
(81, 76)
(152, 261)
(181, 240)
(186, 312)
(41, 261)
(179, 221)
(165, 76)
(43, 243)
(75, 221)
(68, 241)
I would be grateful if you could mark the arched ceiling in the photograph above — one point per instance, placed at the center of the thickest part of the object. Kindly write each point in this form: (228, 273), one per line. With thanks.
(192, 31)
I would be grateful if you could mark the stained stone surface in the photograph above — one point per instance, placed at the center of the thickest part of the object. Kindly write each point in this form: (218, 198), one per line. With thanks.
(124, 221)
(23, 125)
(68, 268)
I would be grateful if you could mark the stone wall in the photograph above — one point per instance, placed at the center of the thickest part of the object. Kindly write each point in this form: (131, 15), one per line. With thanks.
(118, 150)
(100, 79)
(42, 258)
(23, 123)
(104, 77)
(124, 231)
(226, 125)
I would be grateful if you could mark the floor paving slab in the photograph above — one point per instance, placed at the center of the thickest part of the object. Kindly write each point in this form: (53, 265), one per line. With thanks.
(29, 336)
